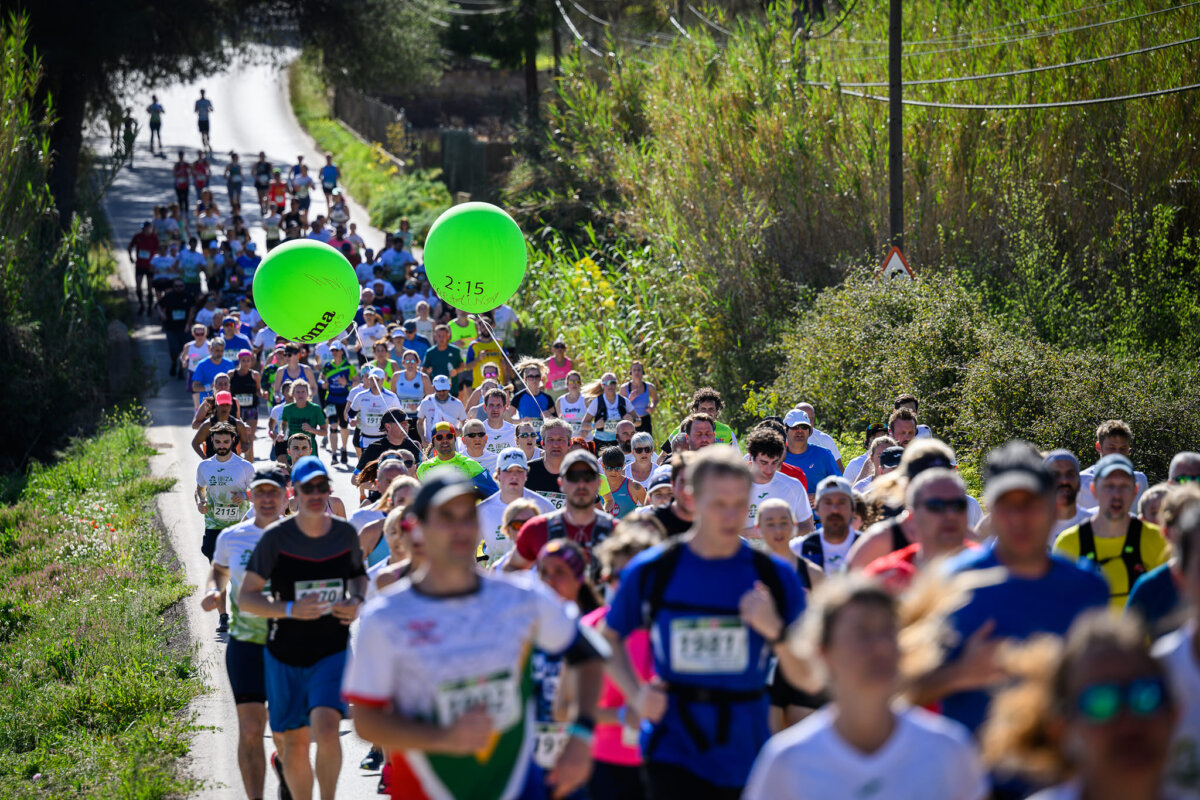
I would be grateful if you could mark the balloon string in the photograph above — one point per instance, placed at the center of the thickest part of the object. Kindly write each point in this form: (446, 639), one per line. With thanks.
(492, 333)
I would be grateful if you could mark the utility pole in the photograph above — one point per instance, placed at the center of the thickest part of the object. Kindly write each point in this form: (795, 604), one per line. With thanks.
(895, 127)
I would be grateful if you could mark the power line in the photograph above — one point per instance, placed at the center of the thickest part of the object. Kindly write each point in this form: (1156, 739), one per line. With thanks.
(481, 12)
(1029, 71)
(1016, 106)
(1022, 38)
(590, 15)
(968, 34)
(575, 31)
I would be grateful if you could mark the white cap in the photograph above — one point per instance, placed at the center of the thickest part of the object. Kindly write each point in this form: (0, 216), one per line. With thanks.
(796, 417)
(377, 373)
(441, 384)
(511, 457)
(832, 484)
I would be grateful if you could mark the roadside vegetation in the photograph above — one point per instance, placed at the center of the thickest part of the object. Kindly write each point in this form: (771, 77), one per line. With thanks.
(96, 668)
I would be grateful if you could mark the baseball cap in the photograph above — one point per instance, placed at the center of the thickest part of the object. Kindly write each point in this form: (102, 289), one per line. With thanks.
(272, 474)
(832, 484)
(445, 427)
(440, 486)
(890, 458)
(377, 373)
(335, 345)
(1016, 465)
(223, 398)
(928, 461)
(872, 429)
(251, 246)
(229, 320)
(1114, 462)
(213, 245)
(796, 417)
(511, 457)
(245, 352)
(1061, 455)
(580, 457)
(308, 468)
(367, 290)
(441, 383)
(410, 325)
(371, 309)
(394, 415)
(659, 478)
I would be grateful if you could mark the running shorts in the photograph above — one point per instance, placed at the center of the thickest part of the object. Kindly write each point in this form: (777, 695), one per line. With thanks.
(293, 692)
(244, 663)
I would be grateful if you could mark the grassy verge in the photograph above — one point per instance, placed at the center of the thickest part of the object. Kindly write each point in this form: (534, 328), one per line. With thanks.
(96, 668)
(367, 173)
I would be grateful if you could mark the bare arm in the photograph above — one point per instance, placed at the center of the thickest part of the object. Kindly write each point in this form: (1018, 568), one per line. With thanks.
(198, 440)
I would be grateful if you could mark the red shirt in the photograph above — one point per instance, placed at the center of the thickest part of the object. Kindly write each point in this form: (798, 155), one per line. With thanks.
(897, 569)
(534, 534)
(795, 472)
(200, 172)
(182, 175)
(146, 245)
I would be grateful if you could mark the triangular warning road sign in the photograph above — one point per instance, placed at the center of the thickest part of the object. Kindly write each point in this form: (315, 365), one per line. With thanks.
(894, 266)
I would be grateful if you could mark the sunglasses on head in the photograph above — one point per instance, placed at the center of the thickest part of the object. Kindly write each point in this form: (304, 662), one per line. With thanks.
(314, 487)
(939, 506)
(476, 435)
(1103, 702)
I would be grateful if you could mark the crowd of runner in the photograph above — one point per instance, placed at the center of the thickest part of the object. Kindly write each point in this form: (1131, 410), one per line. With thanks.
(542, 591)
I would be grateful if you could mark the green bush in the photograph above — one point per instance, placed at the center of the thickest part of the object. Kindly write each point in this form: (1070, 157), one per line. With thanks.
(980, 382)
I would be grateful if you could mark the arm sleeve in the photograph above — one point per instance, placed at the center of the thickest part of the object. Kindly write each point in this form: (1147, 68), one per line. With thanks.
(367, 678)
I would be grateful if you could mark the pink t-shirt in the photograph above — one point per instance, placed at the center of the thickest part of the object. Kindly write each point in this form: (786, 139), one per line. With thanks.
(607, 745)
(557, 373)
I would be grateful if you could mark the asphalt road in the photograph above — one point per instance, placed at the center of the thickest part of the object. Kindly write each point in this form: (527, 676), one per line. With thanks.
(251, 113)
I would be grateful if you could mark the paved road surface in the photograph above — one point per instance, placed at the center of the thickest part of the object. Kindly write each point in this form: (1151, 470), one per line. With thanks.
(251, 113)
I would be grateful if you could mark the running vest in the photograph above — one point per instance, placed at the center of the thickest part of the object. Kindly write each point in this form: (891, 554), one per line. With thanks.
(411, 393)
(243, 390)
(556, 528)
(601, 419)
(1131, 553)
(623, 499)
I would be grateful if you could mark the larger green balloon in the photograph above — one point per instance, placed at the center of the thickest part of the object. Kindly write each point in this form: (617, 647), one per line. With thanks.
(307, 291)
(475, 257)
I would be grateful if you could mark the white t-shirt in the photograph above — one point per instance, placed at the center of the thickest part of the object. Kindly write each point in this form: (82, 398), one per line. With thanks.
(365, 272)
(490, 512)
(225, 484)
(1064, 791)
(424, 326)
(433, 412)
(1087, 502)
(573, 412)
(927, 757)
(785, 488)
(234, 546)
(406, 307)
(370, 334)
(854, 467)
(1176, 654)
(265, 338)
(302, 185)
(370, 408)
(503, 322)
(195, 354)
(499, 438)
(823, 439)
(834, 554)
(606, 430)
(1062, 524)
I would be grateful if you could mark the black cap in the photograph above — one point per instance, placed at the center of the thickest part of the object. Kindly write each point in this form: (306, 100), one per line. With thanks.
(890, 458)
(1015, 465)
(441, 485)
(410, 325)
(273, 474)
(394, 415)
(928, 461)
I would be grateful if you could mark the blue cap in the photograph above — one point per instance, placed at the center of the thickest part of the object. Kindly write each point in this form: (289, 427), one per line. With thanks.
(660, 477)
(1114, 462)
(308, 468)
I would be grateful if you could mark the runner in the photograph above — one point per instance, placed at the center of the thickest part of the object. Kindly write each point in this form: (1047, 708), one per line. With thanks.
(191, 263)
(829, 545)
(293, 370)
(377, 478)
(439, 407)
(512, 470)
(206, 371)
(164, 269)
(531, 404)
(222, 412)
(221, 485)
(142, 247)
(329, 178)
(910, 403)
(183, 179)
(301, 416)
(246, 386)
(678, 515)
(605, 409)
(815, 461)
(642, 395)
(500, 434)
(527, 441)
(860, 746)
(247, 633)
(571, 405)
(642, 465)
(765, 448)
(302, 186)
(902, 426)
(451, 702)
(1113, 437)
(396, 438)
(444, 453)
(315, 569)
(659, 491)
(366, 408)
(337, 377)
(233, 180)
(719, 608)
(203, 108)
(155, 110)
(821, 438)
(699, 431)
(262, 182)
(411, 385)
(707, 400)
(544, 472)
(1124, 547)
(579, 520)
(172, 310)
(200, 174)
(626, 494)
(557, 369)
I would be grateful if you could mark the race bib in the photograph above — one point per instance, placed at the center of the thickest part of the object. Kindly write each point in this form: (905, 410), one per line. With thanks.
(709, 645)
(537, 424)
(610, 425)
(550, 739)
(372, 420)
(244, 400)
(559, 385)
(330, 410)
(497, 694)
(328, 591)
(410, 407)
(178, 314)
(576, 427)
(227, 513)
(143, 255)
(557, 499)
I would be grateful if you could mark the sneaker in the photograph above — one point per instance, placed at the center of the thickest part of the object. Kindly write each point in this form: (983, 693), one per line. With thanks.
(325, 443)
(372, 760)
(284, 792)
(345, 459)
(223, 625)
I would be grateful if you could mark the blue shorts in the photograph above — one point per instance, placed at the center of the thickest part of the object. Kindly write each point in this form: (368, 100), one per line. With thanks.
(244, 663)
(292, 692)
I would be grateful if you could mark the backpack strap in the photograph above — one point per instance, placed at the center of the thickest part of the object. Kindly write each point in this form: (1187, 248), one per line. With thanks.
(654, 581)
(1131, 555)
(810, 548)
(555, 527)
(764, 565)
(1087, 540)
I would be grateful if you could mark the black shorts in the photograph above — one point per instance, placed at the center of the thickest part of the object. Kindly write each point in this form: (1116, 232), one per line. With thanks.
(203, 126)
(182, 196)
(244, 663)
(338, 418)
(304, 203)
(209, 546)
(155, 126)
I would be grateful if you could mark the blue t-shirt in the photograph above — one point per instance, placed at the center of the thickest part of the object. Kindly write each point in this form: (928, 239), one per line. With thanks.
(235, 344)
(329, 175)
(206, 371)
(1020, 607)
(249, 265)
(715, 586)
(529, 407)
(418, 344)
(817, 463)
(1156, 597)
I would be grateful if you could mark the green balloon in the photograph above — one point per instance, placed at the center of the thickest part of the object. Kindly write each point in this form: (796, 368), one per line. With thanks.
(475, 257)
(306, 291)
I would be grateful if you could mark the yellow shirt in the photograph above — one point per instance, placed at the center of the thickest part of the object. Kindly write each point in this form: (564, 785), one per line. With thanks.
(1154, 551)
(485, 353)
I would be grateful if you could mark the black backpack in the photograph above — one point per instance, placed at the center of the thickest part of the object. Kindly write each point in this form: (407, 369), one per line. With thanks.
(1131, 553)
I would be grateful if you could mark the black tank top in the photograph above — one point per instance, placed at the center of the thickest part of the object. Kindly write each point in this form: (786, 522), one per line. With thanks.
(899, 540)
(243, 385)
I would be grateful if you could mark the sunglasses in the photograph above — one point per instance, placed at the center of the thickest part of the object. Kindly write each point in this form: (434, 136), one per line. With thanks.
(643, 449)
(800, 428)
(958, 505)
(516, 524)
(1188, 478)
(524, 435)
(411, 361)
(441, 437)
(610, 383)
(533, 376)
(490, 374)
(1102, 702)
(478, 435)
(316, 487)
(580, 476)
